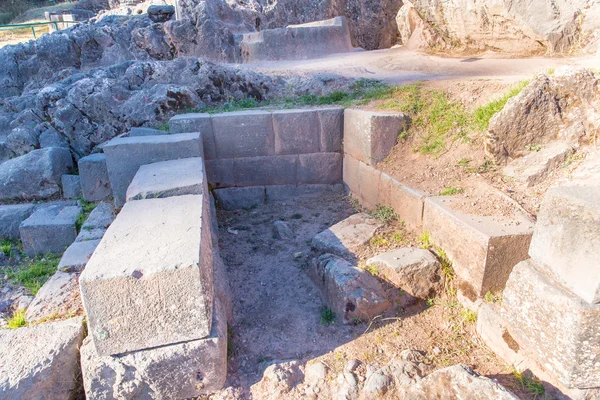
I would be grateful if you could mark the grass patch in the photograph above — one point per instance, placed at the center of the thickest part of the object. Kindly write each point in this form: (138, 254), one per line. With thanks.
(327, 316)
(424, 240)
(35, 272)
(469, 316)
(384, 213)
(163, 127)
(372, 269)
(6, 247)
(449, 191)
(483, 114)
(530, 383)
(17, 320)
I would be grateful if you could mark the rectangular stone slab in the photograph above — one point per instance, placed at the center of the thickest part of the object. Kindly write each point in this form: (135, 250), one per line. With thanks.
(483, 250)
(124, 156)
(95, 184)
(167, 178)
(554, 325)
(150, 281)
(178, 371)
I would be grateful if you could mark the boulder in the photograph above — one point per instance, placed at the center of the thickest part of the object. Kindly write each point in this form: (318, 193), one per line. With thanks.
(41, 361)
(36, 175)
(161, 13)
(11, 217)
(537, 165)
(93, 174)
(236, 198)
(282, 231)
(71, 186)
(416, 271)
(51, 229)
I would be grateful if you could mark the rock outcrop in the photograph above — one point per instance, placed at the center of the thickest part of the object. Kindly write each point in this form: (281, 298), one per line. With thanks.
(514, 26)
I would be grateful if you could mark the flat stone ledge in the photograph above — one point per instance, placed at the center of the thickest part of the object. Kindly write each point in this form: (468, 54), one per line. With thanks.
(177, 371)
(150, 281)
(196, 122)
(167, 178)
(77, 255)
(40, 362)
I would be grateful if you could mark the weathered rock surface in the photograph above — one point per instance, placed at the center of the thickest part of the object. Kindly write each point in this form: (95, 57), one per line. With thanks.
(563, 106)
(93, 175)
(279, 378)
(75, 258)
(150, 281)
(178, 371)
(160, 13)
(537, 165)
(11, 217)
(34, 176)
(71, 186)
(352, 293)
(345, 237)
(96, 224)
(416, 271)
(58, 297)
(244, 197)
(514, 26)
(40, 362)
(458, 381)
(282, 231)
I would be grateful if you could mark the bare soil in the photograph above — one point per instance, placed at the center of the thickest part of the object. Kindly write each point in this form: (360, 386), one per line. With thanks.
(277, 308)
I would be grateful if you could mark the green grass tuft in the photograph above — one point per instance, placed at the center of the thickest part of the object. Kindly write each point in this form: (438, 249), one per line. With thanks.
(35, 272)
(424, 240)
(6, 247)
(449, 191)
(530, 383)
(327, 316)
(483, 114)
(17, 320)
(384, 213)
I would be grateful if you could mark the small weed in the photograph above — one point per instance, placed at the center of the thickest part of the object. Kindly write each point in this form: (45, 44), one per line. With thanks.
(17, 320)
(398, 237)
(424, 240)
(469, 316)
(531, 383)
(87, 206)
(492, 298)
(447, 269)
(486, 166)
(451, 190)
(6, 247)
(551, 71)
(430, 302)
(534, 147)
(37, 271)
(463, 162)
(80, 221)
(372, 269)
(399, 310)
(327, 316)
(379, 241)
(483, 114)
(384, 213)
(163, 127)
(357, 320)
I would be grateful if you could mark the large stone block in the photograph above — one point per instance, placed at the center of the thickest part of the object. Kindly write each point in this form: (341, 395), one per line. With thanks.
(11, 217)
(243, 134)
(124, 156)
(352, 293)
(345, 237)
(566, 239)
(93, 174)
(35, 175)
(332, 128)
(167, 178)
(350, 174)
(235, 198)
(177, 371)
(369, 136)
(57, 298)
(274, 170)
(196, 122)
(40, 362)
(407, 202)
(220, 172)
(291, 192)
(553, 324)
(296, 131)
(150, 280)
(71, 186)
(50, 229)
(368, 185)
(483, 250)
(324, 168)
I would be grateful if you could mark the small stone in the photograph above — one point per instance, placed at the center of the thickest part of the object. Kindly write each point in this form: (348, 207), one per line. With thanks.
(315, 372)
(351, 365)
(160, 12)
(282, 231)
(377, 381)
(298, 254)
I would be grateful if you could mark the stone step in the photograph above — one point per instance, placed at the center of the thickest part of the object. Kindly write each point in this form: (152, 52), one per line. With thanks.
(535, 166)
(150, 281)
(483, 249)
(124, 156)
(168, 178)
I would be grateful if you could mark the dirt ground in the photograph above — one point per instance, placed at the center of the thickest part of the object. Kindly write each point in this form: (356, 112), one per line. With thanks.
(276, 306)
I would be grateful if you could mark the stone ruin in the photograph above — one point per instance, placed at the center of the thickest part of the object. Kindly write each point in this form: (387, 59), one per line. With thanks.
(155, 290)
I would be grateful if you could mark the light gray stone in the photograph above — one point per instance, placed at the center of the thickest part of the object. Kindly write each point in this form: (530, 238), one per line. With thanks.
(95, 183)
(351, 292)
(296, 131)
(345, 237)
(11, 217)
(150, 281)
(235, 198)
(369, 136)
(167, 178)
(416, 271)
(142, 131)
(566, 238)
(77, 255)
(57, 298)
(320, 168)
(95, 225)
(377, 381)
(40, 362)
(282, 231)
(553, 324)
(483, 250)
(243, 134)
(535, 166)
(292, 192)
(124, 156)
(51, 138)
(35, 175)
(196, 122)
(256, 171)
(332, 128)
(176, 371)
(50, 229)
(71, 186)
(220, 172)
(455, 382)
